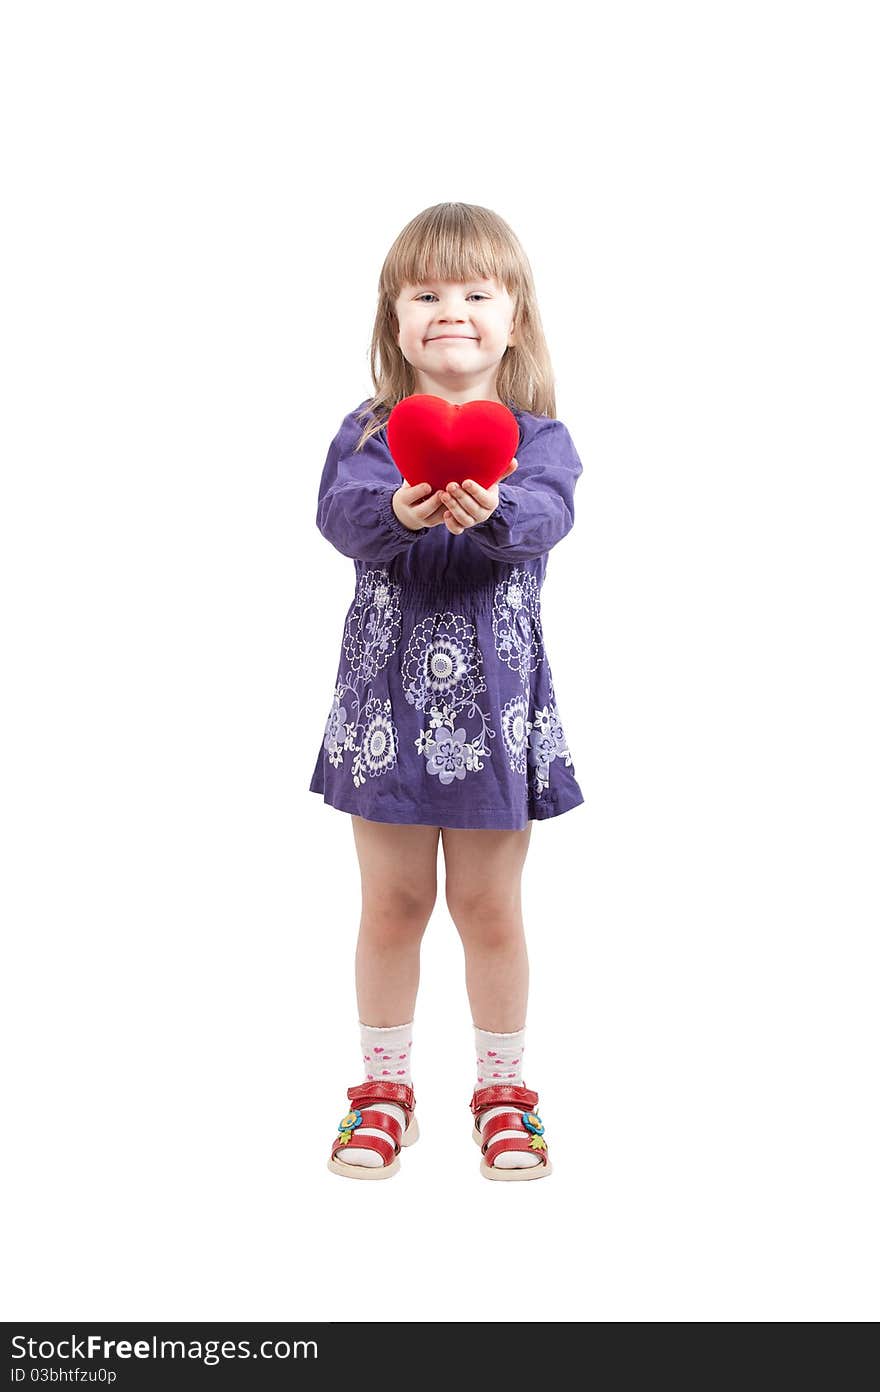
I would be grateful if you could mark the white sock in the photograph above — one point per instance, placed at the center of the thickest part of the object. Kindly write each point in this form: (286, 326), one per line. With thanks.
(499, 1057)
(499, 1061)
(386, 1055)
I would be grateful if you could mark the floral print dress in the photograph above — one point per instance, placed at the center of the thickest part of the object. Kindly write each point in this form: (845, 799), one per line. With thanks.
(443, 710)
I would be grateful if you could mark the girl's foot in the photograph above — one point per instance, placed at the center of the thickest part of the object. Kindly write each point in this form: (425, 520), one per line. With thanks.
(510, 1133)
(370, 1135)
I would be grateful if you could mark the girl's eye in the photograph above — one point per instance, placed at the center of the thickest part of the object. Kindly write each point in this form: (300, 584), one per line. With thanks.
(431, 293)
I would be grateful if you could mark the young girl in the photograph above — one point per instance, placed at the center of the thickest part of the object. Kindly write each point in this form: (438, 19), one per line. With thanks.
(444, 719)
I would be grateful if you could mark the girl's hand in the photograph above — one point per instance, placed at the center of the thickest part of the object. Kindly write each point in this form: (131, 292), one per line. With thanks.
(416, 506)
(469, 503)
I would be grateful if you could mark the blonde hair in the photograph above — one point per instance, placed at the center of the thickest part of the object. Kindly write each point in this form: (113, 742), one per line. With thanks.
(458, 241)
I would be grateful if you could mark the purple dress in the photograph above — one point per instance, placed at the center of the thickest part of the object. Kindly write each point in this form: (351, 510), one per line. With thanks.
(444, 712)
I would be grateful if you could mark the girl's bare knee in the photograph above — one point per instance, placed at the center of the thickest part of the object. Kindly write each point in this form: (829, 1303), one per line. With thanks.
(488, 931)
(395, 913)
(398, 873)
(495, 910)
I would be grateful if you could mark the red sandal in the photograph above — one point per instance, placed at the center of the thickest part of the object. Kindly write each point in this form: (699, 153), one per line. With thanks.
(522, 1118)
(363, 1099)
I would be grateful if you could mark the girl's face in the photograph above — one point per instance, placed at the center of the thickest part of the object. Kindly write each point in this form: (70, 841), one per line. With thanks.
(454, 334)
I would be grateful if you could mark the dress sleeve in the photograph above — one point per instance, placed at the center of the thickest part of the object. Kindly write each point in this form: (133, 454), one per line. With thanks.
(354, 499)
(536, 502)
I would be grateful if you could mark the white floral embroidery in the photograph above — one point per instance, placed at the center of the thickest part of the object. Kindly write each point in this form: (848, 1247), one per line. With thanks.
(519, 642)
(442, 674)
(547, 742)
(515, 728)
(372, 632)
(372, 628)
(516, 622)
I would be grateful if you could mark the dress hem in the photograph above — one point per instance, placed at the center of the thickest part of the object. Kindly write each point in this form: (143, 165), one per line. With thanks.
(502, 818)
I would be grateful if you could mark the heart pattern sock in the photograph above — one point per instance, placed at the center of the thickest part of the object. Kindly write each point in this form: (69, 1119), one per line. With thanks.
(386, 1055)
(499, 1060)
(499, 1057)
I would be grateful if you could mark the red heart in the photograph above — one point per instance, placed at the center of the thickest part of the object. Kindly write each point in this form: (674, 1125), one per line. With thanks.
(438, 442)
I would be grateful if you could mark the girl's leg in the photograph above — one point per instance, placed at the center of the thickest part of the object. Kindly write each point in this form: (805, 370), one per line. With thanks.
(483, 893)
(398, 891)
(398, 867)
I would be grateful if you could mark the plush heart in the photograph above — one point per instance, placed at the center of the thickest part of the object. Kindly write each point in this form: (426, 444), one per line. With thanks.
(437, 442)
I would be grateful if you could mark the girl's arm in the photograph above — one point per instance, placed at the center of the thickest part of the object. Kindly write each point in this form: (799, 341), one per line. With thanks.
(354, 499)
(536, 503)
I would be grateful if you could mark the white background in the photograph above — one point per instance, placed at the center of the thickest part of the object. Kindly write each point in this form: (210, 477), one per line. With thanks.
(198, 199)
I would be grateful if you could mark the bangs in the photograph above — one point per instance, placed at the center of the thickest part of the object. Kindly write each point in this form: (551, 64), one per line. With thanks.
(449, 243)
